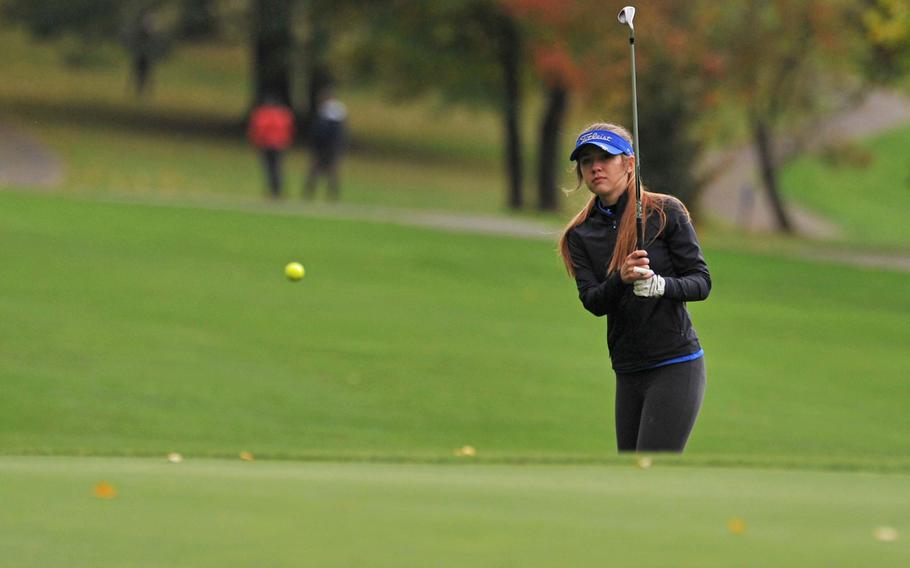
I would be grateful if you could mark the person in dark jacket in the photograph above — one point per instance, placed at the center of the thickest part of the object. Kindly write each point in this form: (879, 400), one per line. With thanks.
(328, 139)
(655, 352)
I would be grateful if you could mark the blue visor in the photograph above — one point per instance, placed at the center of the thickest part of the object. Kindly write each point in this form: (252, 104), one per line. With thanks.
(605, 140)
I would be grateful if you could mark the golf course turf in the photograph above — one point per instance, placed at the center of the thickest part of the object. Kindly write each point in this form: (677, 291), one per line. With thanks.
(142, 329)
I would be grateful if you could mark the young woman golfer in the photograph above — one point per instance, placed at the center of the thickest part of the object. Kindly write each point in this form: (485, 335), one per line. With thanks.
(659, 363)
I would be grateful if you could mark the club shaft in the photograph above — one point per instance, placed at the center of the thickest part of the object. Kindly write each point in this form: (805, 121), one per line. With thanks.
(639, 225)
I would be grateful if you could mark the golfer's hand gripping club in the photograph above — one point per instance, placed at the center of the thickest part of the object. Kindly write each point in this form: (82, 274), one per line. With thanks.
(635, 267)
(636, 270)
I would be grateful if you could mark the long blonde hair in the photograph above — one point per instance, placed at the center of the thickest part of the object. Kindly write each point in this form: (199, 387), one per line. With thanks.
(627, 239)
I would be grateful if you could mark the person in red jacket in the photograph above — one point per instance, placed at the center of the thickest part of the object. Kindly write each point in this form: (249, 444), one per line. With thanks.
(271, 130)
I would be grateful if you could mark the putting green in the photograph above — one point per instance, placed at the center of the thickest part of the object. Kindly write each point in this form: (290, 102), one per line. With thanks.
(236, 513)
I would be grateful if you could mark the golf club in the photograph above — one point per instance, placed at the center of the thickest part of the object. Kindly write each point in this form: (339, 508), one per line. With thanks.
(626, 16)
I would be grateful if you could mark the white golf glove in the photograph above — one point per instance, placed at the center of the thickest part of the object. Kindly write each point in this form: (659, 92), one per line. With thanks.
(652, 287)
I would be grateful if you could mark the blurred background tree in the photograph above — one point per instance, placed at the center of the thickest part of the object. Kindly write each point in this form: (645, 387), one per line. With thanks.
(81, 26)
(468, 51)
(197, 20)
(886, 27)
(547, 27)
(574, 57)
(783, 63)
(677, 85)
(779, 65)
(84, 26)
(273, 45)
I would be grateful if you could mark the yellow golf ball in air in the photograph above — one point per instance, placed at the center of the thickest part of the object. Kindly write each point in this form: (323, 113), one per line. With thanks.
(294, 271)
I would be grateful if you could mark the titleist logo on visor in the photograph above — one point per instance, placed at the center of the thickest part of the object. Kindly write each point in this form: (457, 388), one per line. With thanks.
(588, 136)
(605, 136)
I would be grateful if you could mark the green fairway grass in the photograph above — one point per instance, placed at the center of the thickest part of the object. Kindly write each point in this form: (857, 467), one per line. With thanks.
(867, 192)
(135, 329)
(220, 513)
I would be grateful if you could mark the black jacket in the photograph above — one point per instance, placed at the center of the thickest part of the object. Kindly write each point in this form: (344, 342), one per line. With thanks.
(642, 332)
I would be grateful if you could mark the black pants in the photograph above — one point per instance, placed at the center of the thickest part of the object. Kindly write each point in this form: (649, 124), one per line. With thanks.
(271, 159)
(323, 167)
(656, 409)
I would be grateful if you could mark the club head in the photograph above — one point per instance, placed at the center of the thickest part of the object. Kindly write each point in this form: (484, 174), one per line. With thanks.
(626, 15)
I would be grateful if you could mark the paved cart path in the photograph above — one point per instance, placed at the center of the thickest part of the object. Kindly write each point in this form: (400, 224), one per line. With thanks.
(736, 196)
(25, 161)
